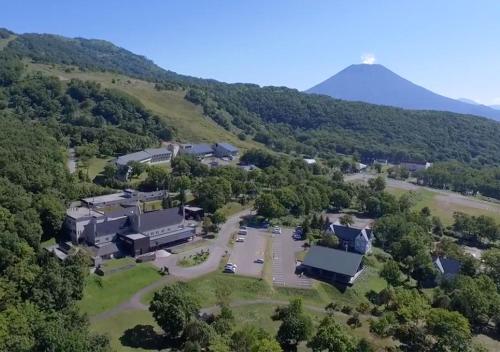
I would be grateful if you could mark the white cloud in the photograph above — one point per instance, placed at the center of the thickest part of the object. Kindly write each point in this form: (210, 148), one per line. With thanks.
(368, 58)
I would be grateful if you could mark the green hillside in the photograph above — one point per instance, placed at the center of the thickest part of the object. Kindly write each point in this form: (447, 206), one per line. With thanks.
(283, 119)
(185, 118)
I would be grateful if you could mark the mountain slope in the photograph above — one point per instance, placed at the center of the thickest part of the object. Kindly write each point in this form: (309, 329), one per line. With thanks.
(378, 85)
(186, 119)
(283, 119)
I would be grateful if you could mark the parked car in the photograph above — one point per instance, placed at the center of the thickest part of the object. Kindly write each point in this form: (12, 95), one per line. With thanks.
(240, 239)
(242, 232)
(277, 230)
(259, 261)
(243, 227)
(231, 265)
(231, 270)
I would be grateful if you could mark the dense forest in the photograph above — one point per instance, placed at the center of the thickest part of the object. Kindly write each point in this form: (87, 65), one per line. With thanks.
(38, 293)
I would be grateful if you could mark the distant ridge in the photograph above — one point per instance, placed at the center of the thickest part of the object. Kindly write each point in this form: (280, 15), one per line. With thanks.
(377, 84)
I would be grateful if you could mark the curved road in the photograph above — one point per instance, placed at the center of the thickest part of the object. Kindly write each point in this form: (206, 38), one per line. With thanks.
(217, 249)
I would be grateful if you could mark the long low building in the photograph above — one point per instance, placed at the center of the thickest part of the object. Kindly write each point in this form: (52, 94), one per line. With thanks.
(333, 264)
(147, 156)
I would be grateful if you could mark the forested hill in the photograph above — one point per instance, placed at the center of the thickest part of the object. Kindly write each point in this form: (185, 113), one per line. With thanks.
(286, 119)
(90, 54)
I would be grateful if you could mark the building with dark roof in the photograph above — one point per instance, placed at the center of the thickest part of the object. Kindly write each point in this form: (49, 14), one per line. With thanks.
(147, 156)
(151, 156)
(222, 150)
(333, 265)
(447, 268)
(117, 219)
(201, 150)
(351, 238)
(204, 150)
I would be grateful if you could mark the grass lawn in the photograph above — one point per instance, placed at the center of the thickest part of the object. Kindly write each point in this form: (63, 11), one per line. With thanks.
(120, 326)
(232, 208)
(152, 205)
(96, 166)
(117, 263)
(195, 259)
(488, 342)
(106, 292)
(131, 329)
(444, 206)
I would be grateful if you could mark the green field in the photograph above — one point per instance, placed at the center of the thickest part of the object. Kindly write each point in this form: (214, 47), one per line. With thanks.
(108, 291)
(94, 166)
(444, 205)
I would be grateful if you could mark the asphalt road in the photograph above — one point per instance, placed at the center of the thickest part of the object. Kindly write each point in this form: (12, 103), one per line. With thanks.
(245, 253)
(284, 261)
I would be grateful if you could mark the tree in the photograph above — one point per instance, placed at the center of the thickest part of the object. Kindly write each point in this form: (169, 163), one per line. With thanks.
(346, 220)
(137, 168)
(330, 241)
(340, 199)
(295, 326)
(52, 214)
(437, 226)
(491, 260)
(331, 337)
(378, 167)
(207, 225)
(199, 332)
(110, 171)
(212, 193)
(451, 330)
(391, 273)
(218, 217)
(173, 308)
(268, 206)
(247, 339)
(267, 345)
(377, 184)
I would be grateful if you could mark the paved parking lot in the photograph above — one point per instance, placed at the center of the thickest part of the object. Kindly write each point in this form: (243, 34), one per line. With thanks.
(284, 249)
(245, 253)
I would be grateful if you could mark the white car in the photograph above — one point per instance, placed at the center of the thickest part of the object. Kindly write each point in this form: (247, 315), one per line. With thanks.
(242, 232)
(259, 261)
(240, 239)
(230, 269)
(277, 230)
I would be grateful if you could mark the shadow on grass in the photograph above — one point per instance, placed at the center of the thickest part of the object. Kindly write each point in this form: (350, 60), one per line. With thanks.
(145, 337)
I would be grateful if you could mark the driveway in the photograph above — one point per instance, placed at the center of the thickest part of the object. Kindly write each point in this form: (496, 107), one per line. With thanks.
(284, 262)
(217, 248)
(245, 253)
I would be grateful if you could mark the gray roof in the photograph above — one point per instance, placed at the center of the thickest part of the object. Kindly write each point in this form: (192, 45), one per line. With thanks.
(157, 151)
(448, 266)
(334, 260)
(347, 233)
(111, 227)
(228, 147)
(199, 149)
(104, 249)
(160, 218)
(137, 156)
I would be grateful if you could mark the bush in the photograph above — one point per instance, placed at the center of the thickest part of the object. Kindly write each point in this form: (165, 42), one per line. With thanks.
(377, 311)
(354, 321)
(363, 307)
(346, 309)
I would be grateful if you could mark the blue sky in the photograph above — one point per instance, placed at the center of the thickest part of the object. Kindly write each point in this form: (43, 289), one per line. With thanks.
(451, 47)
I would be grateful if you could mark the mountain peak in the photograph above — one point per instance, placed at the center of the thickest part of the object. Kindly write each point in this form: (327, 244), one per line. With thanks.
(376, 84)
